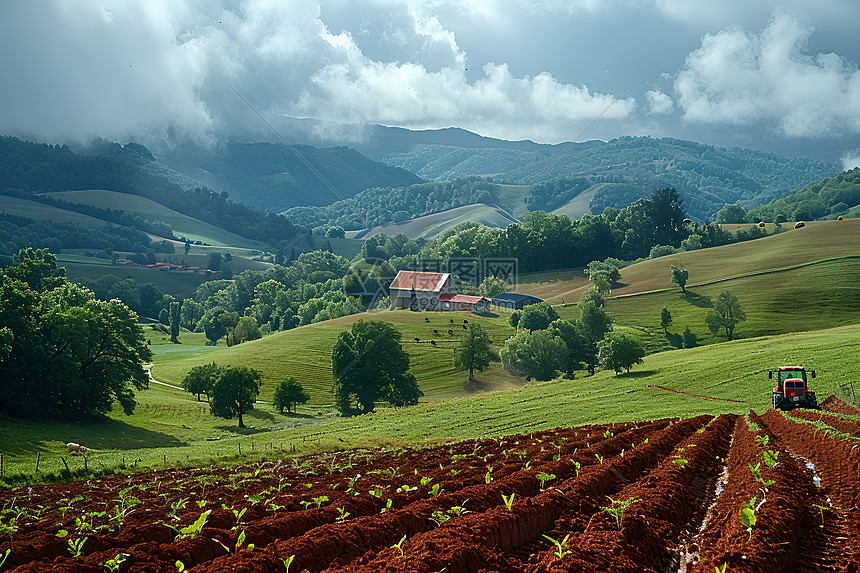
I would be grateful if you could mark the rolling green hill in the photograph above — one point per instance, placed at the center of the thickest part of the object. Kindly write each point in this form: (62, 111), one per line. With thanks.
(631, 168)
(182, 225)
(431, 226)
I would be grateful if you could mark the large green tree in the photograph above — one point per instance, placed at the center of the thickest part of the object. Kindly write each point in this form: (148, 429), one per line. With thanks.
(535, 354)
(201, 379)
(534, 316)
(679, 277)
(619, 351)
(234, 392)
(289, 394)
(368, 365)
(69, 355)
(593, 322)
(475, 351)
(726, 314)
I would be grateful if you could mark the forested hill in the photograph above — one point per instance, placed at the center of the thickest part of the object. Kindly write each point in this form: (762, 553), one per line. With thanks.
(28, 169)
(276, 177)
(830, 197)
(624, 170)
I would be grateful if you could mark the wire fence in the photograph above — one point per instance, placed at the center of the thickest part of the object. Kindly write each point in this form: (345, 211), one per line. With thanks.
(845, 392)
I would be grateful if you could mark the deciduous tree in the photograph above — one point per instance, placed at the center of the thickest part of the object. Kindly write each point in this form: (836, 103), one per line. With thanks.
(200, 379)
(369, 365)
(679, 277)
(619, 351)
(535, 354)
(234, 393)
(665, 319)
(726, 314)
(475, 351)
(289, 394)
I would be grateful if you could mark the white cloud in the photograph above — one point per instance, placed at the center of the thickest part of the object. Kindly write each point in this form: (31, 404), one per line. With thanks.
(851, 160)
(659, 103)
(740, 78)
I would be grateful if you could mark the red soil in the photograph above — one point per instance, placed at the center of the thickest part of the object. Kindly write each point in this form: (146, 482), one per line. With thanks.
(443, 507)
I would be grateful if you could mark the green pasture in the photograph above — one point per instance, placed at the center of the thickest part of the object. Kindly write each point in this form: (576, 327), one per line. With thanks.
(305, 354)
(178, 284)
(41, 212)
(171, 428)
(348, 248)
(184, 225)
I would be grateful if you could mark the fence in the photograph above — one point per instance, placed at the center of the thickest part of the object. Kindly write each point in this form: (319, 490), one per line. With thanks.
(845, 392)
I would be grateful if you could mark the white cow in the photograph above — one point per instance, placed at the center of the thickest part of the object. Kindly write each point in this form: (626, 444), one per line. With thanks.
(76, 449)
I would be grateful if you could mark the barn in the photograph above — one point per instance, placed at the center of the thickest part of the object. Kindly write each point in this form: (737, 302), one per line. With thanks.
(514, 301)
(432, 291)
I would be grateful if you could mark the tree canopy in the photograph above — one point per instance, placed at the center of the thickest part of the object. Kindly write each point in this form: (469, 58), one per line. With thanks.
(475, 351)
(234, 392)
(619, 351)
(535, 354)
(201, 379)
(369, 365)
(679, 277)
(67, 355)
(289, 394)
(726, 314)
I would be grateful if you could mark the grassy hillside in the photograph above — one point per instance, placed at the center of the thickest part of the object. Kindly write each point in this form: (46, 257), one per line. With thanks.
(170, 426)
(431, 226)
(182, 225)
(305, 353)
(817, 240)
(41, 212)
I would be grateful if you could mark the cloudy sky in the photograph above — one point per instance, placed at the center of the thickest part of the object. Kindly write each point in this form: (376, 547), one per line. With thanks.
(779, 76)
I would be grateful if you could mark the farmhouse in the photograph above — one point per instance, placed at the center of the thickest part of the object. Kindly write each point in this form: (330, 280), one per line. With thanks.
(514, 301)
(432, 291)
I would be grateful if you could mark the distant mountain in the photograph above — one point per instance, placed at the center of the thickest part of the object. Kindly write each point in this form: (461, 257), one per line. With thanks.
(621, 171)
(276, 177)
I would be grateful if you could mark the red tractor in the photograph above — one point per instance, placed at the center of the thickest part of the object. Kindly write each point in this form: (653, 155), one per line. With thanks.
(791, 390)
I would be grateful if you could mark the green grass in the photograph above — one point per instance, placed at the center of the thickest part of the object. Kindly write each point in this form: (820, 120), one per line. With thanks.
(178, 284)
(184, 225)
(431, 226)
(172, 425)
(305, 353)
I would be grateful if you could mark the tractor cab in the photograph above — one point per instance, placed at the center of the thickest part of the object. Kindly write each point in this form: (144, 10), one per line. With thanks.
(792, 389)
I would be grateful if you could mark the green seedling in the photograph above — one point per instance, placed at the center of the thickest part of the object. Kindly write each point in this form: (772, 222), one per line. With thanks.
(62, 533)
(576, 465)
(76, 546)
(608, 434)
(399, 545)
(435, 490)
(599, 458)
(544, 477)
(387, 507)
(755, 470)
(488, 477)
(176, 506)
(722, 569)
(406, 488)
(305, 503)
(180, 566)
(288, 561)
(528, 465)
(509, 500)
(762, 440)
(680, 461)
(5, 556)
(240, 541)
(560, 550)
(113, 564)
(343, 514)
(320, 500)
(770, 458)
(439, 517)
(193, 530)
(618, 507)
(822, 508)
(201, 503)
(426, 480)
(747, 516)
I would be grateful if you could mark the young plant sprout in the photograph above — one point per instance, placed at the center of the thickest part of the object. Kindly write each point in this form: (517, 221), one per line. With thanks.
(544, 477)
(509, 500)
(560, 550)
(618, 507)
(399, 545)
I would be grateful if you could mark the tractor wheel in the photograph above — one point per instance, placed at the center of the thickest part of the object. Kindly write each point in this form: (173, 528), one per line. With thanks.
(811, 401)
(777, 399)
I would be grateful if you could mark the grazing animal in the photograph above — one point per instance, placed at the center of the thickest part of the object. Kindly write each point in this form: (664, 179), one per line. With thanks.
(451, 332)
(432, 343)
(465, 327)
(426, 319)
(465, 321)
(435, 331)
(452, 321)
(417, 339)
(76, 449)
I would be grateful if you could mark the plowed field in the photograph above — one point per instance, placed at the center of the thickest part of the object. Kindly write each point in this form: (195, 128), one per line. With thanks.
(663, 495)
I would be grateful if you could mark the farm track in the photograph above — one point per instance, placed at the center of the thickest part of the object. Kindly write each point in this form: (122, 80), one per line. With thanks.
(683, 484)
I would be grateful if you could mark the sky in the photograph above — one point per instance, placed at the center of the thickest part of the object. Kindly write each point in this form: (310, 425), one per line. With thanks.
(777, 76)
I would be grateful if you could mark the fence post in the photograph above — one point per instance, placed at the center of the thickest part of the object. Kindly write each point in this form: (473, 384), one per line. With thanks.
(38, 455)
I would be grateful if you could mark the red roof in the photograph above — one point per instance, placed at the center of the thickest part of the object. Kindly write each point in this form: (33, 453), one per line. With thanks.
(407, 280)
(462, 298)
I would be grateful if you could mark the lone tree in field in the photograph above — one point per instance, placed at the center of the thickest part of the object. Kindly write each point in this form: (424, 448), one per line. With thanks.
(535, 354)
(475, 352)
(200, 379)
(619, 351)
(235, 392)
(727, 313)
(665, 319)
(290, 394)
(679, 277)
(368, 364)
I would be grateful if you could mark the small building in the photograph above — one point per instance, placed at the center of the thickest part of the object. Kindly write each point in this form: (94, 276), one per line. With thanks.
(463, 302)
(514, 301)
(420, 291)
(122, 262)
